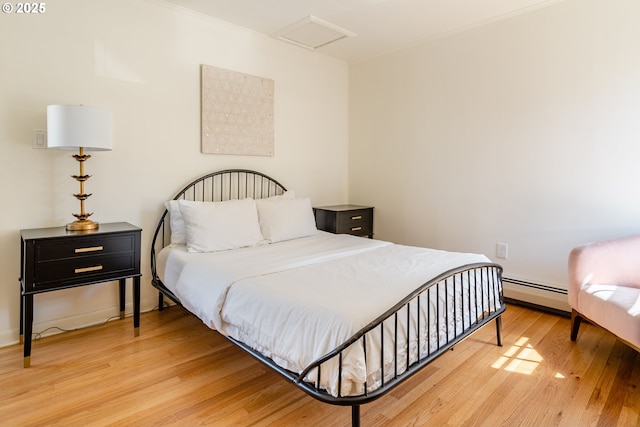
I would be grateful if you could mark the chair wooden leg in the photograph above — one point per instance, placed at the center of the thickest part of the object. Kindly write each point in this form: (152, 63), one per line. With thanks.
(576, 319)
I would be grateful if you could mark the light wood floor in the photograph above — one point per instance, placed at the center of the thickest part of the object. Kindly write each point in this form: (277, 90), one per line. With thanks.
(178, 372)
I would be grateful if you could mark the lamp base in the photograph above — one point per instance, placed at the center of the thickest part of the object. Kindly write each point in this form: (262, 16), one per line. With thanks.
(82, 225)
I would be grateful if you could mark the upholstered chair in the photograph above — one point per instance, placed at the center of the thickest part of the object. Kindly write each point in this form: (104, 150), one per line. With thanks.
(604, 287)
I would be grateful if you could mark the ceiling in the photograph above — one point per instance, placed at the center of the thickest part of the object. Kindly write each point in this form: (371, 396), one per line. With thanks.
(380, 26)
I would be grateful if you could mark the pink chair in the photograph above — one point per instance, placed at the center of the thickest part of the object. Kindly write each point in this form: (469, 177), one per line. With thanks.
(604, 287)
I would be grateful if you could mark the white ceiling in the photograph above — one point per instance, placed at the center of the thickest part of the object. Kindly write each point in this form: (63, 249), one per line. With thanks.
(381, 26)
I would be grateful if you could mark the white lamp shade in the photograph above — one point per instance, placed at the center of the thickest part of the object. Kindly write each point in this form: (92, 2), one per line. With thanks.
(70, 127)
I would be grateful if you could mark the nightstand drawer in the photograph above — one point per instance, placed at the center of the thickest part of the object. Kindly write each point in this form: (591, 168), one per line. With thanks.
(86, 269)
(86, 246)
(357, 222)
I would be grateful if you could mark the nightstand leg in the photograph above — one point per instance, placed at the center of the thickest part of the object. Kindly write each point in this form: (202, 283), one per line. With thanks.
(122, 286)
(136, 306)
(28, 328)
(21, 317)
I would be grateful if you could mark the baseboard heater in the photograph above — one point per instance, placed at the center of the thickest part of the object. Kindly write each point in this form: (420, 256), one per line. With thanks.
(533, 285)
(536, 295)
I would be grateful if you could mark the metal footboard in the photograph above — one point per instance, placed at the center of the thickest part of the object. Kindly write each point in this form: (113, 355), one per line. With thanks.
(476, 287)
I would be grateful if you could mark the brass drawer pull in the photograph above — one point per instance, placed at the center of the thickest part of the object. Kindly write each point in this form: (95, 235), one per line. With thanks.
(357, 217)
(91, 249)
(88, 269)
(356, 228)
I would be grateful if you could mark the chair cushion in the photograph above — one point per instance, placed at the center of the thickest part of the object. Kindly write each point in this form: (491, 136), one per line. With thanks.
(615, 308)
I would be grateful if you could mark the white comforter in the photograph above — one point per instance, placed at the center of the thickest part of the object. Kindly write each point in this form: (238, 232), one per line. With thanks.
(295, 301)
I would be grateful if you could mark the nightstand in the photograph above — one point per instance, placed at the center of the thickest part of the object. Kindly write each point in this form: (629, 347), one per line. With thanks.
(54, 258)
(345, 219)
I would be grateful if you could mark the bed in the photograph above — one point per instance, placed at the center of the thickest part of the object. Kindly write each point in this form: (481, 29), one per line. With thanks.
(344, 318)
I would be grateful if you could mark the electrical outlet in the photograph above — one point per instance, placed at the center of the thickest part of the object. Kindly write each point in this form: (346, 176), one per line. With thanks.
(502, 250)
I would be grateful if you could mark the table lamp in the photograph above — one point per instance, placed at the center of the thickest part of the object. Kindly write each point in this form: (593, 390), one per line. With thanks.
(78, 127)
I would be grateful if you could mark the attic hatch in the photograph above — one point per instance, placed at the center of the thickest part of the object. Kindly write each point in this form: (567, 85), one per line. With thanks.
(312, 33)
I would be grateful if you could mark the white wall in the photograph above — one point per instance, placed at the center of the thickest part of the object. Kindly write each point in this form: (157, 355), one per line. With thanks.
(524, 131)
(141, 59)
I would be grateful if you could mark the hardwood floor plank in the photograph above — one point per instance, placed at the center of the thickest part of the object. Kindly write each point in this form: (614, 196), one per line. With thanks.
(614, 399)
(178, 372)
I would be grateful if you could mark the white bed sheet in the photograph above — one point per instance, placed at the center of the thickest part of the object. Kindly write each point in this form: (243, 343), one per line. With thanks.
(295, 301)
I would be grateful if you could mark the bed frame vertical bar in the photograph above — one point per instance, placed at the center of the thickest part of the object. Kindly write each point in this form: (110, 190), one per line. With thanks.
(221, 187)
(364, 346)
(408, 332)
(418, 327)
(428, 322)
(255, 186)
(483, 271)
(455, 312)
(437, 316)
(446, 306)
(462, 311)
(246, 185)
(340, 375)
(382, 354)
(469, 302)
(395, 345)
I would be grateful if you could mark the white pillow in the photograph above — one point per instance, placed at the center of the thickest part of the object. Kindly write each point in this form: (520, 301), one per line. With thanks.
(286, 219)
(176, 223)
(218, 226)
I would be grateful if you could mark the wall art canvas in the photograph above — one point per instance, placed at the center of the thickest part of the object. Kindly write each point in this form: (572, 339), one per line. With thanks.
(237, 113)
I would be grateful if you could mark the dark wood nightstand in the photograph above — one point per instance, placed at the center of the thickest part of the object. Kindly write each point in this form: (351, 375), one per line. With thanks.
(345, 219)
(54, 258)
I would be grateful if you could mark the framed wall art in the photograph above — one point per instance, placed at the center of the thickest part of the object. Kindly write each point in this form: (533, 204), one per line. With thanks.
(237, 113)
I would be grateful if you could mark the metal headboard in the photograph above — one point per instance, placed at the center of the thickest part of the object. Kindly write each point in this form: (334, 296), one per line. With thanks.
(218, 186)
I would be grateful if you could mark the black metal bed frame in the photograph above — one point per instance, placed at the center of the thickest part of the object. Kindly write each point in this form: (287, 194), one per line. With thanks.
(242, 183)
